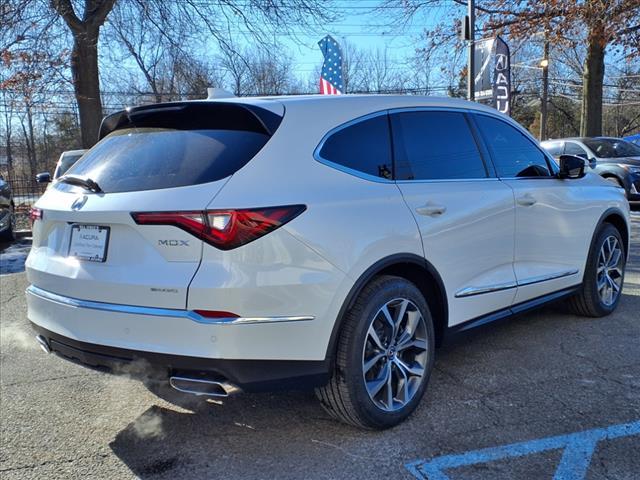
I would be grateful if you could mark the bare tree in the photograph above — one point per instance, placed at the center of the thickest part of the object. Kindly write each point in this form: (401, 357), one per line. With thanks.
(84, 60)
(174, 24)
(269, 73)
(606, 23)
(233, 61)
(140, 40)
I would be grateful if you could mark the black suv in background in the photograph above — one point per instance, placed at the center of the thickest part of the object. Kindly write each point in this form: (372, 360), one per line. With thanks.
(613, 158)
(7, 212)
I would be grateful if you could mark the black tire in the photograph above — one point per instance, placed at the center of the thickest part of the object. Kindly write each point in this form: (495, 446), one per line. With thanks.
(346, 397)
(588, 301)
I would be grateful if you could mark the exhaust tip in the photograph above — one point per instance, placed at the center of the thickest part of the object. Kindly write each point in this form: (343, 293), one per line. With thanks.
(44, 345)
(199, 386)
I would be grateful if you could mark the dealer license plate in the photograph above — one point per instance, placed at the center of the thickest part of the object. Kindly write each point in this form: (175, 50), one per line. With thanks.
(89, 242)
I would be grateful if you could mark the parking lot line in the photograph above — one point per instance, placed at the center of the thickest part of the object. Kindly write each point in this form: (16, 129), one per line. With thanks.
(578, 449)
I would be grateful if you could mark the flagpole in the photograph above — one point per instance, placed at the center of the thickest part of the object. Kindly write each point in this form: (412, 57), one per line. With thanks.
(471, 64)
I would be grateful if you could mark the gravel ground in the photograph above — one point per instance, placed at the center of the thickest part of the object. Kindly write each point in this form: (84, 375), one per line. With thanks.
(540, 375)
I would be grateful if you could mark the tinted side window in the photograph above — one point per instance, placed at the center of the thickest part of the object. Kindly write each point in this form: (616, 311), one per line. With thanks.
(572, 148)
(364, 146)
(435, 146)
(514, 155)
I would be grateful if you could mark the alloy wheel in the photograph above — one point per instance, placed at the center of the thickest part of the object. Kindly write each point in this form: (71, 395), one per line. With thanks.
(610, 271)
(395, 354)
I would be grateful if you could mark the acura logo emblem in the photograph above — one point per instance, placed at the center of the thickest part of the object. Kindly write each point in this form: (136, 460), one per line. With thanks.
(501, 62)
(79, 202)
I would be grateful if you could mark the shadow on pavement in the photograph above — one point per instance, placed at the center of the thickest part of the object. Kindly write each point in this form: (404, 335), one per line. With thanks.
(199, 438)
(248, 428)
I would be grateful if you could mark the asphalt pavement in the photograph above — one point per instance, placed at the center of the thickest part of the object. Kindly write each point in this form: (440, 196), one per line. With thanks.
(543, 394)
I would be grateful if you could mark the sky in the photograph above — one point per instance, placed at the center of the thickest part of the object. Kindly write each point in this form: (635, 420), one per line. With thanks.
(366, 30)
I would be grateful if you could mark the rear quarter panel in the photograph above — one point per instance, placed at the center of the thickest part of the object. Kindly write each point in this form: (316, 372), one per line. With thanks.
(350, 223)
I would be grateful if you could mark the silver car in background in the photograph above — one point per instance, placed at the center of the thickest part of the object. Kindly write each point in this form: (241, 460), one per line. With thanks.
(65, 162)
(612, 158)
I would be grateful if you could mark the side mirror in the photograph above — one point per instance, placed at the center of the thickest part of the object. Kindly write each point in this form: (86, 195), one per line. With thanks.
(44, 177)
(571, 166)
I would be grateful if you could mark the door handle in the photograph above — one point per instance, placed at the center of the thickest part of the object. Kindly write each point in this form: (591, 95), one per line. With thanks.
(431, 209)
(526, 200)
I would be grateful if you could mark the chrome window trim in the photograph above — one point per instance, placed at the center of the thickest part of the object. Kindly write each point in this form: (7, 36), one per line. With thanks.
(157, 312)
(389, 111)
(530, 178)
(449, 180)
(471, 291)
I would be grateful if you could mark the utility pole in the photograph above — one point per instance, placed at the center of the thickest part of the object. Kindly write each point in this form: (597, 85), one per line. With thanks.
(545, 90)
(471, 15)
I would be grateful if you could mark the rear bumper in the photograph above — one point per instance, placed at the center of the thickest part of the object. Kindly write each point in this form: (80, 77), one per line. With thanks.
(174, 332)
(249, 375)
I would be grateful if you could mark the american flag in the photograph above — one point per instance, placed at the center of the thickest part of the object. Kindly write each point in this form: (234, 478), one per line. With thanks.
(331, 75)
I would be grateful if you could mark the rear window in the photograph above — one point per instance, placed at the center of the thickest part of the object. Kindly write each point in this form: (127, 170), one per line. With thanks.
(612, 148)
(134, 159)
(554, 148)
(65, 163)
(572, 148)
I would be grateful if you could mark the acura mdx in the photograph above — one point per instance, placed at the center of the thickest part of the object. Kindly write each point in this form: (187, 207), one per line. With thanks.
(313, 242)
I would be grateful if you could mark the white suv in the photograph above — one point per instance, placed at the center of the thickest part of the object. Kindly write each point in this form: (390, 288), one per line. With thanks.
(328, 242)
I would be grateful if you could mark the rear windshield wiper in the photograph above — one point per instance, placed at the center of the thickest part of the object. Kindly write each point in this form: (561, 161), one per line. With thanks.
(80, 181)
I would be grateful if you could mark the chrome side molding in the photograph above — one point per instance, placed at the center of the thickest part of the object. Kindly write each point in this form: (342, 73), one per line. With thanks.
(470, 291)
(159, 312)
(544, 278)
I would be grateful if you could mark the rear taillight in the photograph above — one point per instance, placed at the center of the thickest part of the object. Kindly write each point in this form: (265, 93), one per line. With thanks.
(224, 229)
(34, 214)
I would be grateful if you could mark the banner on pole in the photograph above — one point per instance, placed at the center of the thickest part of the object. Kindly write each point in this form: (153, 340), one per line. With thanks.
(502, 77)
(492, 76)
(482, 77)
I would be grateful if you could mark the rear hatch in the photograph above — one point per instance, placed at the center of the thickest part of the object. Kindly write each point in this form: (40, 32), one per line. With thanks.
(160, 158)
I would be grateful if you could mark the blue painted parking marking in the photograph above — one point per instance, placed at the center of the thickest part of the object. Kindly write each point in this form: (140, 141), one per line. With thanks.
(576, 457)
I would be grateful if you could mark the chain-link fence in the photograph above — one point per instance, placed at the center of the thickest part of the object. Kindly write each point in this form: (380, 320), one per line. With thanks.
(26, 192)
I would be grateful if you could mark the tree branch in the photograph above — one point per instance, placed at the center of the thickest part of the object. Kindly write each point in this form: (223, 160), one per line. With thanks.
(99, 14)
(65, 10)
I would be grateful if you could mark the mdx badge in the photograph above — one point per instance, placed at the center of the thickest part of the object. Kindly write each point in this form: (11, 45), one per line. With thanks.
(174, 243)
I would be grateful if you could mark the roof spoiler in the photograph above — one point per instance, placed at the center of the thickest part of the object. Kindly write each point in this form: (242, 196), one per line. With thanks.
(194, 115)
